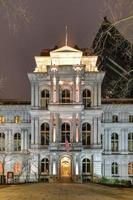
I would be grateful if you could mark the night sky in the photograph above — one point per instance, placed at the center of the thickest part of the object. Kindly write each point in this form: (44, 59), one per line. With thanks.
(45, 30)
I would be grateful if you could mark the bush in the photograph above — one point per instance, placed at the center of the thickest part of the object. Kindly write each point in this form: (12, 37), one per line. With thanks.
(104, 180)
(115, 182)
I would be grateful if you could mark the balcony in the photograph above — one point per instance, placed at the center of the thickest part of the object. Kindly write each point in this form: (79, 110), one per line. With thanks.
(64, 107)
(61, 147)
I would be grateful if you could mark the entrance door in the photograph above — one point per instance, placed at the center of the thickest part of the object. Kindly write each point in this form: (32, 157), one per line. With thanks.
(66, 167)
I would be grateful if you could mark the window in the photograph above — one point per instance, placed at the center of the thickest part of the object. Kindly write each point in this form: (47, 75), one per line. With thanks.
(130, 118)
(45, 98)
(17, 142)
(101, 140)
(114, 118)
(65, 132)
(114, 142)
(2, 142)
(17, 168)
(114, 168)
(86, 134)
(2, 119)
(1, 168)
(130, 168)
(130, 142)
(45, 134)
(65, 96)
(30, 141)
(17, 119)
(86, 166)
(86, 98)
(45, 166)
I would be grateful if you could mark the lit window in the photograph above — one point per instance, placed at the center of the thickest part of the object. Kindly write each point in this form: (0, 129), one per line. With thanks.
(114, 142)
(45, 166)
(130, 168)
(86, 134)
(130, 118)
(17, 168)
(17, 119)
(1, 168)
(45, 134)
(45, 98)
(130, 142)
(87, 98)
(65, 132)
(114, 168)
(2, 142)
(2, 119)
(86, 166)
(65, 96)
(17, 142)
(114, 118)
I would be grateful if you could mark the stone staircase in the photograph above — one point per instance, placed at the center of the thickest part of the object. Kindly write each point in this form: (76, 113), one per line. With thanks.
(65, 180)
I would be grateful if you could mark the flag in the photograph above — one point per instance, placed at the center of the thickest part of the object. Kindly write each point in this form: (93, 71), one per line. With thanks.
(66, 144)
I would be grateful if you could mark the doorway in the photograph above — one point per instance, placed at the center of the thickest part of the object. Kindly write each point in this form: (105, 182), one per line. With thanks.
(65, 171)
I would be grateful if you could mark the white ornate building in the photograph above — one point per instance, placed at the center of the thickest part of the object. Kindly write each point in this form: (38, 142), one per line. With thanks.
(66, 132)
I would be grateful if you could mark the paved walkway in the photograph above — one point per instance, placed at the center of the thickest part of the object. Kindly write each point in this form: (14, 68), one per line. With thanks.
(64, 191)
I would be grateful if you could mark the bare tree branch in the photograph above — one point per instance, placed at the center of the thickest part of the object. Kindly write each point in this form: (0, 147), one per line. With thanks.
(16, 13)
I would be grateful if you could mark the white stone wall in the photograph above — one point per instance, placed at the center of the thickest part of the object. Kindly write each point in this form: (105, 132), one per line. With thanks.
(98, 116)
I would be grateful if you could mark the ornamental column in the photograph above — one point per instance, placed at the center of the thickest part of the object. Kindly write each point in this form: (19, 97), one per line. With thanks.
(36, 95)
(32, 94)
(26, 139)
(95, 95)
(73, 129)
(22, 139)
(54, 70)
(99, 130)
(37, 131)
(94, 131)
(32, 130)
(10, 141)
(99, 94)
(77, 69)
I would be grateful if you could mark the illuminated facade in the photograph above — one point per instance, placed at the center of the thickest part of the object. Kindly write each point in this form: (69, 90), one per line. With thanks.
(66, 133)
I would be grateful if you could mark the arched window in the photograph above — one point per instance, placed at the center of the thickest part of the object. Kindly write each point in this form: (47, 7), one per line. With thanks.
(86, 134)
(17, 119)
(114, 142)
(45, 166)
(65, 132)
(87, 98)
(17, 142)
(130, 168)
(65, 96)
(17, 168)
(45, 98)
(2, 119)
(2, 142)
(130, 142)
(114, 168)
(114, 118)
(45, 134)
(86, 166)
(1, 168)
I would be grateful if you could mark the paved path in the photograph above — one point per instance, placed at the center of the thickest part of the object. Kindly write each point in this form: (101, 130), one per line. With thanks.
(64, 191)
